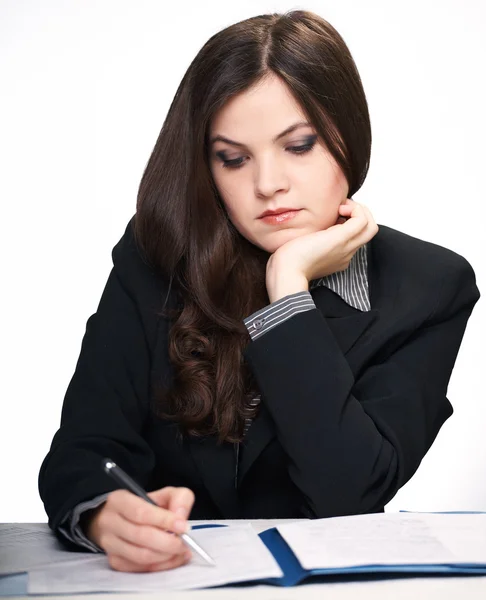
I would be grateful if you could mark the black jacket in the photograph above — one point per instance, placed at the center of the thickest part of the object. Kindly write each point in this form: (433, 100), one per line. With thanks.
(351, 401)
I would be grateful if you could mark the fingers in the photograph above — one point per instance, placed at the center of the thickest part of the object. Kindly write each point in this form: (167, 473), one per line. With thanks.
(356, 221)
(119, 563)
(145, 536)
(135, 509)
(142, 554)
(360, 227)
(181, 502)
(173, 498)
(371, 227)
(178, 500)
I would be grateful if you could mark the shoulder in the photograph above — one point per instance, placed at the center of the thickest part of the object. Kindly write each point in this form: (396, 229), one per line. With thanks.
(140, 280)
(425, 267)
(406, 249)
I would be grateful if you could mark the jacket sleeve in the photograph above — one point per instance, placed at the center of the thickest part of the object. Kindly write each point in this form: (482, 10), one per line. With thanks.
(352, 443)
(106, 402)
(71, 527)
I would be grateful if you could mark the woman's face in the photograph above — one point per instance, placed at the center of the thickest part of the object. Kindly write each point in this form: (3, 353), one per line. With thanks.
(255, 172)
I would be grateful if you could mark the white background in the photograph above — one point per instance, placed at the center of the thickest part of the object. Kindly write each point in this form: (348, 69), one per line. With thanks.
(85, 86)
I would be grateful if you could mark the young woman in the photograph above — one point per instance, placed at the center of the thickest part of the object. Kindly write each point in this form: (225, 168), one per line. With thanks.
(261, 349)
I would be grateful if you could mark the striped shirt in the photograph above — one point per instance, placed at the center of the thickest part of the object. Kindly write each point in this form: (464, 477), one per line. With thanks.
(351, 285)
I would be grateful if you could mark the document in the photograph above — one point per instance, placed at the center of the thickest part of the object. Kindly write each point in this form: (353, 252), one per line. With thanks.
(239, 553)
(24, 546)
(388, 539)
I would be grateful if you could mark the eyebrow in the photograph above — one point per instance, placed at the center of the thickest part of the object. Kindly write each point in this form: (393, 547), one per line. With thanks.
(290, 129)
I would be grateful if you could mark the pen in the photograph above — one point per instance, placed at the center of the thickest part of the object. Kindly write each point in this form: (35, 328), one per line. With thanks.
(127, 482)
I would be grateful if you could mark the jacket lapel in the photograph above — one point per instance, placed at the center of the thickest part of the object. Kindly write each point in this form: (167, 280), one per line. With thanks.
(346, 323)
(217, 464)
(260, 434)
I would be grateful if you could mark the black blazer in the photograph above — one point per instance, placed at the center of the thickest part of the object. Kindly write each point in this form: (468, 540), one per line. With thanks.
(351, 401)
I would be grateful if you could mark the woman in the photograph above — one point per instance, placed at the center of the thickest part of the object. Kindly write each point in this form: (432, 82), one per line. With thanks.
(261, 349)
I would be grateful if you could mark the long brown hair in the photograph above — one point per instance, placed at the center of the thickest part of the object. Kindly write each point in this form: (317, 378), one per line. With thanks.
(181, 225)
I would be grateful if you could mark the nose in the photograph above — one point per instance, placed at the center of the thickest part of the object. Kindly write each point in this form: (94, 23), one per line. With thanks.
(270, 177)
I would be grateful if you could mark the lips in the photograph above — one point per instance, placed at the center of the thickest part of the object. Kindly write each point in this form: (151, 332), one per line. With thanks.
(274, 213)
(273, 218)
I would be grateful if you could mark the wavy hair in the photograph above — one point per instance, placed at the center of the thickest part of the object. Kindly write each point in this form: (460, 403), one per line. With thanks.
(181, 225)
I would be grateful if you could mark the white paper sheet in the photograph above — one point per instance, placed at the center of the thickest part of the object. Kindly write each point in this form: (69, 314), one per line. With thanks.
(239, 553)
(388, 539)
(28, 545)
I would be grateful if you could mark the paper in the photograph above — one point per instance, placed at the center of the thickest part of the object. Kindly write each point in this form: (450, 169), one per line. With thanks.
(239, 553)
(27, 545)
(388, 539)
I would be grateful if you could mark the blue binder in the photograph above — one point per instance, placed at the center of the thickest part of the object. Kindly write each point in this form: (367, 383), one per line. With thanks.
(294, 573)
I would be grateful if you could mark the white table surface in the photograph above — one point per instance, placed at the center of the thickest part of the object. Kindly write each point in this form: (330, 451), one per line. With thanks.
(416, 588)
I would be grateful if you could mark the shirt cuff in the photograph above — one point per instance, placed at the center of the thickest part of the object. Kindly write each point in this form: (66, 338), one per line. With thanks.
(70, 526)
(261, 321)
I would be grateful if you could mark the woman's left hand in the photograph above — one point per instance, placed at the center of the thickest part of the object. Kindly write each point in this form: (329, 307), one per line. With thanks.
(315, 255)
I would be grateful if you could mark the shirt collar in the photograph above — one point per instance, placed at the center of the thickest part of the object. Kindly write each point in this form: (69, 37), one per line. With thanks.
(352, 283)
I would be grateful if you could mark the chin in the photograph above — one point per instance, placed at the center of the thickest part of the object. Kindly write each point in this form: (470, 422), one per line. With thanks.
(274, 241)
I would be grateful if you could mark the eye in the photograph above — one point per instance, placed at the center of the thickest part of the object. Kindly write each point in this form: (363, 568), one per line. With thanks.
(237, 163)
(301, 149)
(307, 147)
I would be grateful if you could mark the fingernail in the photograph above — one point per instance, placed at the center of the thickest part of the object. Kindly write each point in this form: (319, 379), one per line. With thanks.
(181, 526)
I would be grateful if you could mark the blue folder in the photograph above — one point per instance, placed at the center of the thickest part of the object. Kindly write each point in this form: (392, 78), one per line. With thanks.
(294, 573)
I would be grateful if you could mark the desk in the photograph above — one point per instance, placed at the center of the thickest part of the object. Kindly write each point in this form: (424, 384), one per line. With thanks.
(416, 588)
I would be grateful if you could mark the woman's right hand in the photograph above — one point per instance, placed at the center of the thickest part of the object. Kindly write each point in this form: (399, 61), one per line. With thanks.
(136, 535)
